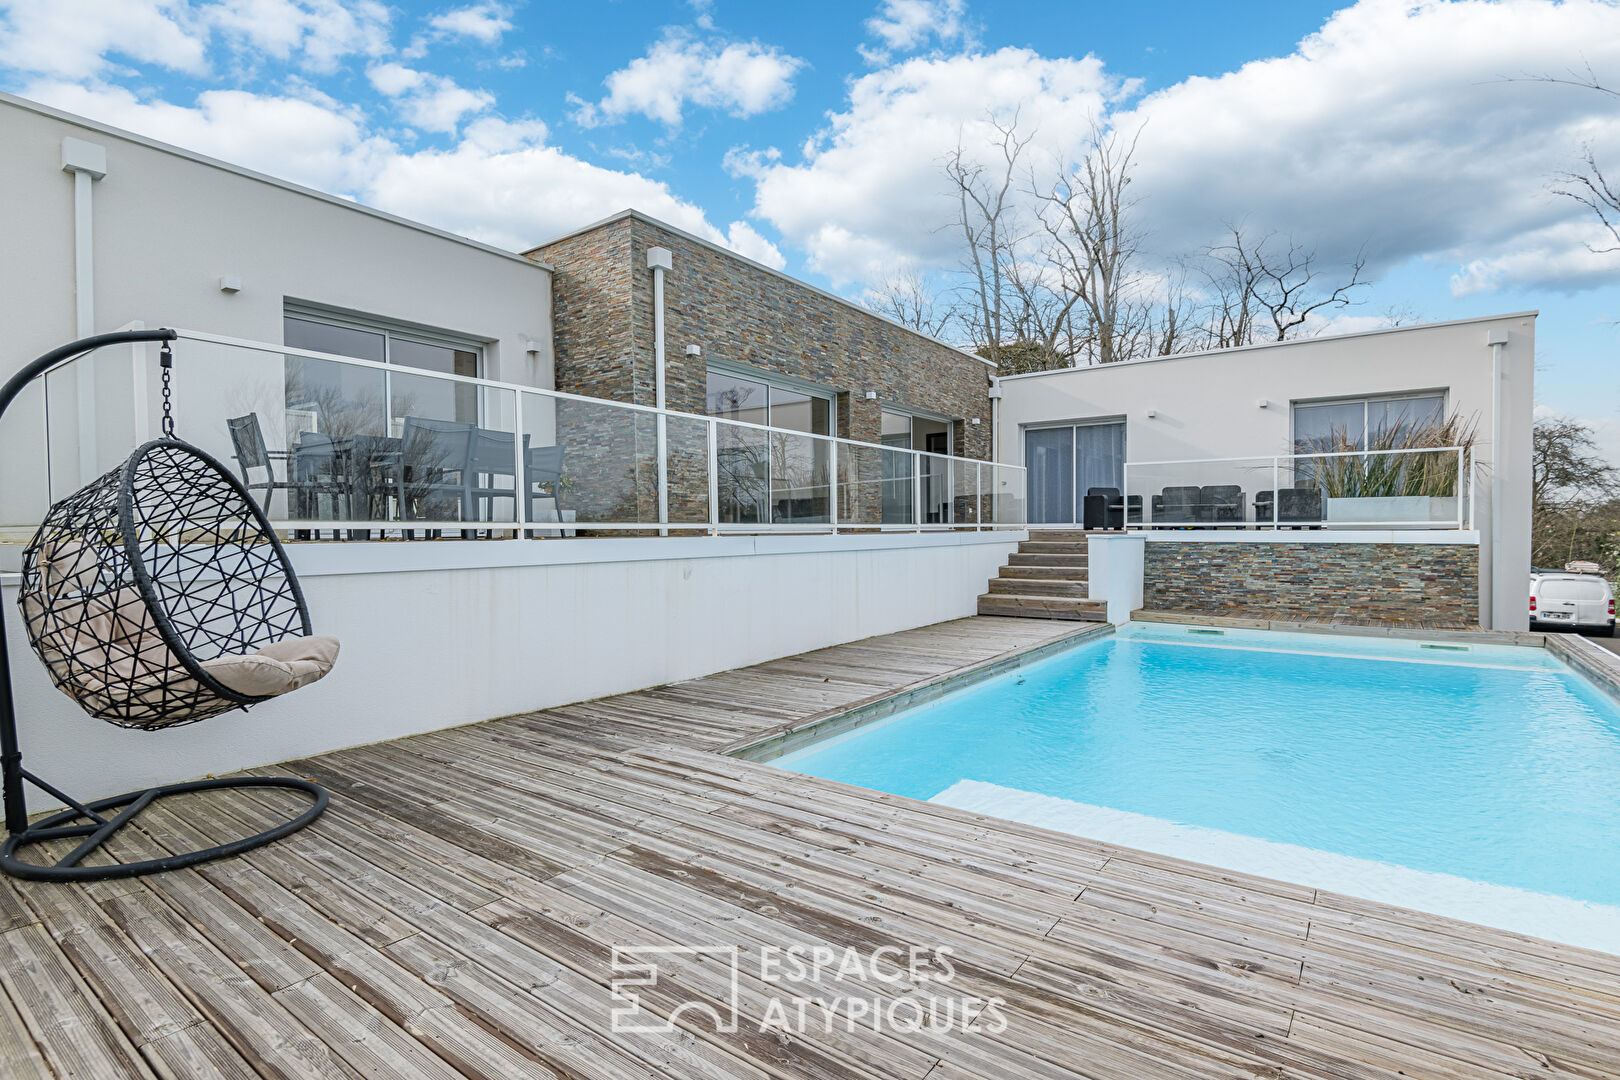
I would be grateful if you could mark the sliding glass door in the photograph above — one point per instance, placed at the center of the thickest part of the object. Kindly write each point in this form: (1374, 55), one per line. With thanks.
(1066, 462)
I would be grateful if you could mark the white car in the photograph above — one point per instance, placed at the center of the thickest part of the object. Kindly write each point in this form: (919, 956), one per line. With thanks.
(1574, 598)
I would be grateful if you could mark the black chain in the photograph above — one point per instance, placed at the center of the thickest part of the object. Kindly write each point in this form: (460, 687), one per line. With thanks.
(166, 359)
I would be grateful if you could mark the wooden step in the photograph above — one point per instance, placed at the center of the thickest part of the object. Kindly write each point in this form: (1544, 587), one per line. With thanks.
(1019, 558)
(1034, 546)
(1043, 573)
(1071, 608)
(1064, 536)
(1038, 587)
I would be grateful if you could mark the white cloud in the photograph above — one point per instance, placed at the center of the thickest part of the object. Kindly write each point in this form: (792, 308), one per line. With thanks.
(484, 23)
(1394, 126)
(499, 183)
(308, 142)
(905, 26)
(430, 102)
(318, 33)
(77, 39)
(743, 78)
(1397, 126)
(74, 38)
(870, 193)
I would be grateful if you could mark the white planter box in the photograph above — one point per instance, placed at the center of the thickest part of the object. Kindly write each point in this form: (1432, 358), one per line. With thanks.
(1393, 512)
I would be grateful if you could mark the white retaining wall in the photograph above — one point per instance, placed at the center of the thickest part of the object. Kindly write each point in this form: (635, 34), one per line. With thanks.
(450, 632)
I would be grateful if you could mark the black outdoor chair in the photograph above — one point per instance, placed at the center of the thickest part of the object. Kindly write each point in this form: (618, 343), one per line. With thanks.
(1177, 506)
(1102, 508)
(433, 477)
(303, 484)
(543, 466)
(1220, 504)
(1296, 506)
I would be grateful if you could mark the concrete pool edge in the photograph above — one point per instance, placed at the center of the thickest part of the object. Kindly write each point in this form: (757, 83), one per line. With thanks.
(767, 746)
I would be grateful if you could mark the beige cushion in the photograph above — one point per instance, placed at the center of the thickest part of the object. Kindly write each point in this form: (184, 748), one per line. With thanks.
(275, 669)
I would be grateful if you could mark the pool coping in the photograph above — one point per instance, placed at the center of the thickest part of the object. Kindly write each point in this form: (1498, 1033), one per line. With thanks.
(772, 743)
(1594, 661)
(1534, 639)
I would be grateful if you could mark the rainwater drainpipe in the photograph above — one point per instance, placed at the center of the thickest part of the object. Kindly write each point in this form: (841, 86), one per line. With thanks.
(660, 260)
(88, 163)
(1497, 340)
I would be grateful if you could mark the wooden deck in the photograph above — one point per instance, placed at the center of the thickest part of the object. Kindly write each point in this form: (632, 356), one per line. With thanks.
(455, 912)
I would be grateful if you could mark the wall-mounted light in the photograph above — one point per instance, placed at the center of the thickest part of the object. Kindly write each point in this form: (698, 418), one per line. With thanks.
(230, 283)
(974, 421)
(1262, 403)
(1151, 413)
(871, 395)
(531, 346)
(694, 350)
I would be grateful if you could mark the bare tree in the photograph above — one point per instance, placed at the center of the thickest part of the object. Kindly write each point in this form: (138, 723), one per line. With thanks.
(1588, 186)
(985, 214)
(1086, 217)
(1574, 513)
(906, 298)
(1592, 189)
(1254, 281)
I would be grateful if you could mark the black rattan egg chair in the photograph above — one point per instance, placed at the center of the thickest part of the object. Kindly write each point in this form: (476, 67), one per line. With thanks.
(158, 595)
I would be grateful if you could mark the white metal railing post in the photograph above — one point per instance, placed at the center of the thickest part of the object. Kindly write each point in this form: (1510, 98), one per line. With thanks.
(916, 491)
(832, 483)
(1459, 491)
(714, 478)
(1276, 492)
(1473, 474)
(978, 499)
(520, 472)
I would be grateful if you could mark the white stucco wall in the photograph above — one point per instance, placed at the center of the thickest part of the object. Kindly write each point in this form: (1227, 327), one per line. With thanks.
(1206, 407)
(519, 626)
(167, 225)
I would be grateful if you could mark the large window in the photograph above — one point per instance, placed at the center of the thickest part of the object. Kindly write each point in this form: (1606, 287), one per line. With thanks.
(1362, 423)
(776, 477)
(331, 398)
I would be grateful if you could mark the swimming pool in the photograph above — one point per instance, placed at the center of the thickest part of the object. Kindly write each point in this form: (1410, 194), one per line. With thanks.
(1479, 782)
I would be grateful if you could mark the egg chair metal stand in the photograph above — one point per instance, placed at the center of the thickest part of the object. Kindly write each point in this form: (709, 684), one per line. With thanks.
(130, 588)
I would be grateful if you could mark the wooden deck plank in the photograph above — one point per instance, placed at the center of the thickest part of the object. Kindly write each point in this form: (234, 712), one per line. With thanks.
(455, 914)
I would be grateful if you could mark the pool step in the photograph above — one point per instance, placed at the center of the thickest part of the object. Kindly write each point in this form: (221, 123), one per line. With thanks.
(1004, 586)
(1072, 608)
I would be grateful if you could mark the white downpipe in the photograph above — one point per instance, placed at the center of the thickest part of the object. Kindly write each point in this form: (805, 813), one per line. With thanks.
(659, 260)
(1497, 340)
(88, 163)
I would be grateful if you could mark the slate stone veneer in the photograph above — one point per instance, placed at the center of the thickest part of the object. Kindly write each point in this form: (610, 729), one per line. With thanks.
(748, 317)
(1421, 584)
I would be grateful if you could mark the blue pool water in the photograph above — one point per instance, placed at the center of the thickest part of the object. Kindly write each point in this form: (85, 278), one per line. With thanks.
(1498, 765)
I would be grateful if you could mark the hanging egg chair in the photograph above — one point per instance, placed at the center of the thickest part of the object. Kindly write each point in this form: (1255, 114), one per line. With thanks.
(156, 596)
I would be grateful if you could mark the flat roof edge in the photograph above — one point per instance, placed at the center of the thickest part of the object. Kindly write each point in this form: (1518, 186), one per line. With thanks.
(29, 105)
(1531, 314)
(638, 215)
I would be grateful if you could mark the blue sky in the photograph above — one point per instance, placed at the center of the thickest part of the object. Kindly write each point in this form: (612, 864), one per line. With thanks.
(810, 136)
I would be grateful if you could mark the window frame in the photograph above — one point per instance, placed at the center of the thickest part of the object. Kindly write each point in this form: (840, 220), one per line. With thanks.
(769, 380)
(1366, 401)
(389, 329)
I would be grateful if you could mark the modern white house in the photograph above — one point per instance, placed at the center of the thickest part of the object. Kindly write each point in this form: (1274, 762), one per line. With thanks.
(595, 543)
(1250, 421)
